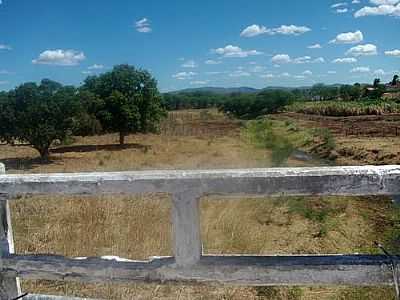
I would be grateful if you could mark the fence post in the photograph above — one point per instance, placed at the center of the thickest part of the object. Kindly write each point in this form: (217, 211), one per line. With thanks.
(9, 287)
(186, 228)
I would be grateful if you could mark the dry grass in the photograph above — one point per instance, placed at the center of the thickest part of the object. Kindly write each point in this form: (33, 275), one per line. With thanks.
(139, 227)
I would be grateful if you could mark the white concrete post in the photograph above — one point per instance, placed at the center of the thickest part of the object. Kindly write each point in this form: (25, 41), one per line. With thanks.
(186, 229)
(9, 287)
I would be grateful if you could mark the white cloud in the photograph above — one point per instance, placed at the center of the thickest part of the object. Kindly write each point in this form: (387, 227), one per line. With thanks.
(96, 67)
(356, 2)
(143, 26)
(336, 5)
(184, 75)
(239, 73)
(395, 53)
(342, 10)
(257, 69)
(360, 70)
(307, 73)
(381, 10)
(348, 38)
(213, 62)
(5, 47)
(345, 60)
(281, 59)
(332, 72)
(291, 30)
(363, 50)
(285, 59)
(87, 72)
(190, 64)
(235, 51)
(379, 72)
(384, 2)
(318, 60)
(315, 46)
(199, 82)
(268, 76)
(285, 74)
(299, 77)
(60, 57)
(255, 30)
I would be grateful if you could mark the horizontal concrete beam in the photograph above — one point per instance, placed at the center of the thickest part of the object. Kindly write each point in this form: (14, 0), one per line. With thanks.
(48, 297)
(233, 270)
(365, 180)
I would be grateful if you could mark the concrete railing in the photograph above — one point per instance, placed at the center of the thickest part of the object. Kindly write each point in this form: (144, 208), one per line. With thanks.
(189, 264)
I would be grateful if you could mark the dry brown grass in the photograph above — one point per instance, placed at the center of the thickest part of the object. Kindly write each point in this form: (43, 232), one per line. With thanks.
(139, 227)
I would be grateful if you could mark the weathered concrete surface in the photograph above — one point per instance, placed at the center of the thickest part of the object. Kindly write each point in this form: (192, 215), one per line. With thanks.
(9, 287)
(47, 297)
(232, 270)
(364, 180)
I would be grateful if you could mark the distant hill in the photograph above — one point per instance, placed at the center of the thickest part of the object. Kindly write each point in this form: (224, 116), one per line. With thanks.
(219, 90)
(243, 90)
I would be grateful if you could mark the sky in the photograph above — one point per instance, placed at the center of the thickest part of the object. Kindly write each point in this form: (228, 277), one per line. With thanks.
(189, 44)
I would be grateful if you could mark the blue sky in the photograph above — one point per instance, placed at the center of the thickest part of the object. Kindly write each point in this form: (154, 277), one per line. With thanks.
(185, 43)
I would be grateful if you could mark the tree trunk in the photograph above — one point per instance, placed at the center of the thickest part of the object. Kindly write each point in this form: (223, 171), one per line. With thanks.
(44, 153)
(122, 138)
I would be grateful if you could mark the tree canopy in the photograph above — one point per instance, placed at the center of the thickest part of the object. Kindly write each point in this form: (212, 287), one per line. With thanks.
(128, 100)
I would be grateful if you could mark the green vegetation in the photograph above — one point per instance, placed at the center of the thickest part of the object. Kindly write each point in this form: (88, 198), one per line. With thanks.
(345, 108)
(125, 100)
(38, 114)
(263, 134)
(130, 101)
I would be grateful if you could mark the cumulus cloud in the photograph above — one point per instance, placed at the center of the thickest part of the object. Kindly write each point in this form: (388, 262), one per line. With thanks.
(395, 53)
(336, 5)
(235, 51)
(348, 38)
(267, 76)
(199, 82)
(307, 73)
(96, 67)
(345, 60)
(255, 30)
(285, 59)
(5, 47)
(143, 26)
(360, 70)
(356, 2)
(239, 73)
(213, 62)
(184, 75)
(363, 50)
(384, 2)
(315, 46)
(379, 72)
(281, 59)
(381, 10)
(342, 10)
(60, 57)
(190, 64)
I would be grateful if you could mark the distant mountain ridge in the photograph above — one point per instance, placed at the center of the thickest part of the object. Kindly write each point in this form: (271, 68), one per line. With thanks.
(243, 89)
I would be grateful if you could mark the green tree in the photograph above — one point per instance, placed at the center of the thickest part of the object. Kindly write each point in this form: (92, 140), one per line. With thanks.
(376, 83)
(395, 80)
(40, 114)
(132, 102)
(8, 130)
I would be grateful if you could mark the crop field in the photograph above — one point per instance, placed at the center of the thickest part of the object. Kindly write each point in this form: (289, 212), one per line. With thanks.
(139, 227)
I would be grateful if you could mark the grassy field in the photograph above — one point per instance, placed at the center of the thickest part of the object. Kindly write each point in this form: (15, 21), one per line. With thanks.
(139, 227)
